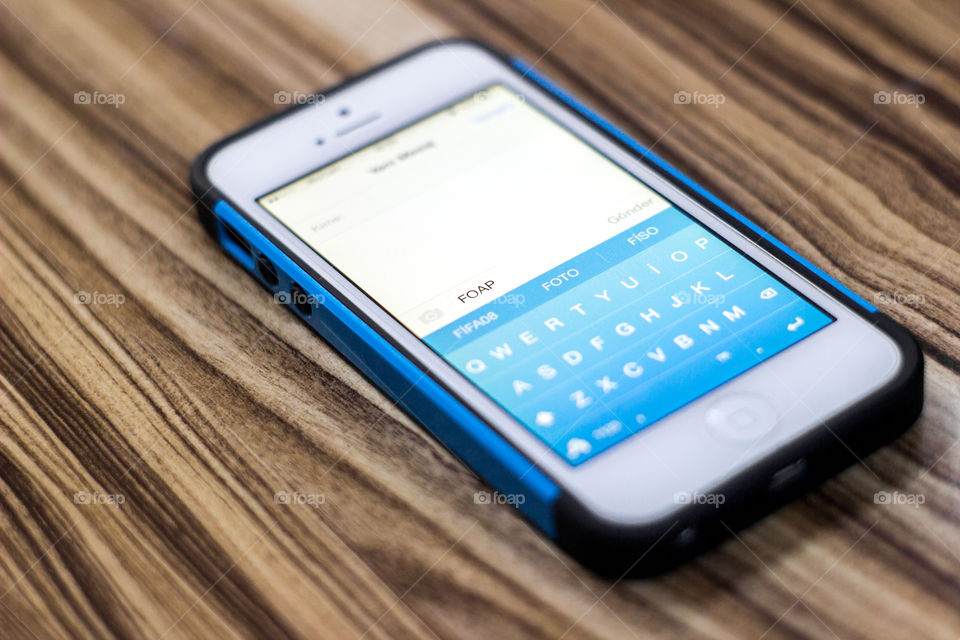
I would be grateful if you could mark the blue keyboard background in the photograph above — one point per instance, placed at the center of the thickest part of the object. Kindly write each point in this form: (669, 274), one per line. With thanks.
(607, 343)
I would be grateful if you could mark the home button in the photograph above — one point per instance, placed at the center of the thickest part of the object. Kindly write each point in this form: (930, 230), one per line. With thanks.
(741, 416)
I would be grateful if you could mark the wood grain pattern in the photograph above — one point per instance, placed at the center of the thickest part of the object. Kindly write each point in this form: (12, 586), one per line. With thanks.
(176, 386)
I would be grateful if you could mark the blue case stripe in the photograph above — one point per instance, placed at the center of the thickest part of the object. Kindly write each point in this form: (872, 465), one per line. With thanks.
(530, 72)
(471, 439)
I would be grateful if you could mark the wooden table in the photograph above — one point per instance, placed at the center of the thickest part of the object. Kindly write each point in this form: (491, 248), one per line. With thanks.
(154, 402)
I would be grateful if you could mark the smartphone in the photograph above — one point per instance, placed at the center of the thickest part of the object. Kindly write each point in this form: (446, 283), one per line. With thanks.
(632, 364)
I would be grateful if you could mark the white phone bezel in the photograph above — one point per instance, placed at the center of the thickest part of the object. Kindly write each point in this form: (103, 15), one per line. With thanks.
(639, 479)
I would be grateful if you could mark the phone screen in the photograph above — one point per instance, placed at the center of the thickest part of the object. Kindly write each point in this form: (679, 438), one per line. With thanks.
(579, 299)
